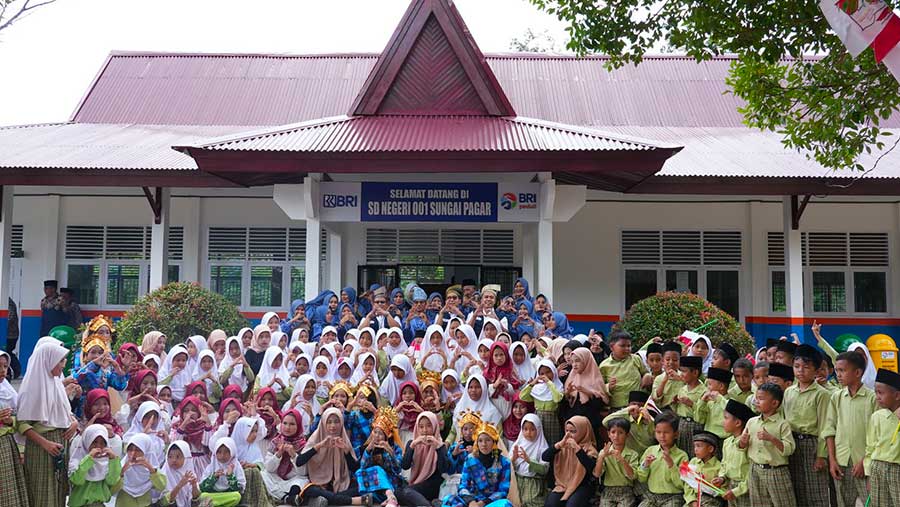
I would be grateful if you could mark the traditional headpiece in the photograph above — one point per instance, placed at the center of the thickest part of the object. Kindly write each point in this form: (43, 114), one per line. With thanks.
(341, 385)
(92, 339)
(364, 389)
(469, 417)
(430, 378)
(489, 430)
(387, 420)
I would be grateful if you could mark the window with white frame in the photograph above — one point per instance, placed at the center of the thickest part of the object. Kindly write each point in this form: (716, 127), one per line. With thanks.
(109, 266)
(258, 267)
(843, 272)
(707, 263)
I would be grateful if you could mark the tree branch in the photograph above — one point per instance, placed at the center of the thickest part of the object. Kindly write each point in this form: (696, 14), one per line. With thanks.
(26, 7)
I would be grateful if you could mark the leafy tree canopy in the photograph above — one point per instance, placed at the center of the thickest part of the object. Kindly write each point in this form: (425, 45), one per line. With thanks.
(828, 106)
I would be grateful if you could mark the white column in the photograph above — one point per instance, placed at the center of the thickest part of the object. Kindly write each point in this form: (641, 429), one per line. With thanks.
(159, 243)
(545, 259)
(313, 232)
(193, 239)
(334, 260)
(529, 252)
(6, 211)
(793, 268)
(53, 255)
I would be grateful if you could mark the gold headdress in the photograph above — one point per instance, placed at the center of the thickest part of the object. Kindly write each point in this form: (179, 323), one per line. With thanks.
(91, 337)
(489, 430)
(469, 417)
(341, 385)
(429, 378)
(387, 420)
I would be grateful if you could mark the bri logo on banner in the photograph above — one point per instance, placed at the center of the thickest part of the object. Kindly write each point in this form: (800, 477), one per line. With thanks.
(340, 201)
(523, 200)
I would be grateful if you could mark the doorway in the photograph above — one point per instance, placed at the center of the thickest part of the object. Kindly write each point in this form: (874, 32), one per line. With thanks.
(437, 277)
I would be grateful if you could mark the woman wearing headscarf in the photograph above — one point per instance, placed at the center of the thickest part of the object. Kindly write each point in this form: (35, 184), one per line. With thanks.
(573, 458)
(397, 305)
(324, 300)
(330, 460)
(520, 291)
(585, 390)
(216, 343)
(297, 318)
(433, 306)
(426, 459)
(556, 325)
(46, 420)
(262, 337)
(283, 478)
(415, 320)
(525, 322)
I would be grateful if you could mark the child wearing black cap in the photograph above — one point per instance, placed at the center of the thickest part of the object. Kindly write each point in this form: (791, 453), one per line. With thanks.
(707, 464)
(882, 448)
(710, 408)
(805, 408)
(654, 359)
(667, 385)
(768, 441)
(784, 352)
(640, 435)
(735, 472)
(725, 356)
(771, 349)
(845, 429)
(687, 398)
(781, 375)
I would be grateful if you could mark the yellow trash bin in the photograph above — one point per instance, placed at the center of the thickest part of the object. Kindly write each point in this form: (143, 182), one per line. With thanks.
(884, 351)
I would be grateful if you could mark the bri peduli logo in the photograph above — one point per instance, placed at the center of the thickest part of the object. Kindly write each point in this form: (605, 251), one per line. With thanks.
(508, 201)
(524, 200)
(339, 201)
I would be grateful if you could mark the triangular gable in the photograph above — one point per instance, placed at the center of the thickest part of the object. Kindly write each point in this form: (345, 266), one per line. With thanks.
(432, 65)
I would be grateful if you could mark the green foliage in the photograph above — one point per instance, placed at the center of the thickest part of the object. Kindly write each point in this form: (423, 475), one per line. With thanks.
(179, 310)
(668, 314)
(828, 106)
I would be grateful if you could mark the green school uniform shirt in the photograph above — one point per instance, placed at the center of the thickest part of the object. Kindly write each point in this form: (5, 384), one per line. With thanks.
(846, 422)
(735, 466)
(879, 434)
(763, 452)
(735, 393)
(694, 393)
(806, 411)
(544, 406)
(641, 435)
(711, 414)
(709, 469)
(628, 374)
(614, 472)
(659, 476)
(157, 482)
(668, 392)
(85, 492)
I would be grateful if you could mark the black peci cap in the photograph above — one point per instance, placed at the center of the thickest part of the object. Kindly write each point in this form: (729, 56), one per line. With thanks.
(772, 342)
(739, 410)
(654, 348)
(638, 397)
(723, 376)
(888, 377)
(809, 352)
(671, 346)
(51, 283)
(695, 362)
(781, 371)
(786, 346)
(729, 351)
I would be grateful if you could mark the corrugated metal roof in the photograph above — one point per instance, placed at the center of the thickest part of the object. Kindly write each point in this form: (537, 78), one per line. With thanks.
(201, 89)
(101, 146)
(395, 133)
(748, 153)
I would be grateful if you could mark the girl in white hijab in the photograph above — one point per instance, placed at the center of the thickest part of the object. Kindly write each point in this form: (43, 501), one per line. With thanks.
(466, 348)
(9, 398)
(176, 367)
(524, 370)
(231, 369)
(224, 475)
(870, 373)
(272, 372)
(94, 462)
(251, 458)
(360, 373)
(484, 332)
(209, 376)
(707, 359)
(533, 450)
(152, 362)
(401, 371)
(482, 404)
(450, 394)
(181, 483)
(434, 354)
(396, 345)
(195, 345)
(307, 404)
(321, 372)
(148, 421)
(139, 472)
(272, 321)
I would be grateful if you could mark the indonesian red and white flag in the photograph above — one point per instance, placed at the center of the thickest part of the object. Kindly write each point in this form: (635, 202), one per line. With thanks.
(861, 24)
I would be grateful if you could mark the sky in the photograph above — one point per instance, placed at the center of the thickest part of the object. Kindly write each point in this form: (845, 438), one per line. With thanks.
(49, 58)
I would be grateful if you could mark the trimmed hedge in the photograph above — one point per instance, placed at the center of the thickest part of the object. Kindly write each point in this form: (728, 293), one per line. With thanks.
(668, 314)
(179, 310)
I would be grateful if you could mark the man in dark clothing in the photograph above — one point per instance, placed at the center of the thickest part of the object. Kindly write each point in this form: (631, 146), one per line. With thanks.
(73, 309)
(12, 339)
(53, 308)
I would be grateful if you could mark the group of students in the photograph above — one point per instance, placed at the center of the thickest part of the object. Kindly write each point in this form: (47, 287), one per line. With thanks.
(467, 411)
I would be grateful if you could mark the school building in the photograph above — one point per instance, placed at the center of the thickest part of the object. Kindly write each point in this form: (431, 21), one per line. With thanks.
(268, 177)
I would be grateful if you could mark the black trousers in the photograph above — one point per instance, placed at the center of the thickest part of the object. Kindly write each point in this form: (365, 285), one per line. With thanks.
(410, 497)
(580, 497)
(342, 498)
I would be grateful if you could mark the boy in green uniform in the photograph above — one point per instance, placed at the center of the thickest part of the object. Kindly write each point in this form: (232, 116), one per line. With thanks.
(742, 387)
(616, 467)
(769, 442)
(686, 399)
(654, 355)
(710, 409)
(666, 386)
(660, 464)
(760, 377)
(805, 408)
(640, 434)
(784, 352)
(725, 356)
(706, 445)
(849, 411)
(882, 449)
(622, 370)
(735, 471)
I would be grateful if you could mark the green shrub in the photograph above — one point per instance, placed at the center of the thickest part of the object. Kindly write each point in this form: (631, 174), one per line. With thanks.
(668, 314)
(179, 310)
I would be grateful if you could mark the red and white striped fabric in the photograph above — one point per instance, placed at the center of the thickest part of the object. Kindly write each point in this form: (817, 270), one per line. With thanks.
(861, 24)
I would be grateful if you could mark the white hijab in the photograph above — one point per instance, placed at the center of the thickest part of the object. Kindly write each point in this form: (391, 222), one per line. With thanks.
(449, 372)
(42, 396)
(399, 349)
(492, 321)
(489, 412)
(136, 480)
(390, 387)
(267, 373)
(433, 363)
(9, 398)
(173, 475)
(156, 445)
(81, 447)
(154, 358)
(534, 449)
(526, 370)
(328, 377)
(182, 378)
(471, 348)
(214, 466)
(200, 344)
(870, 373)
(237, 374)
(246, 452)
(199, 371)
(541, 391)
(41, 341)
(265, 322)
(707, 361)
(314, 404)
(359, 374)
